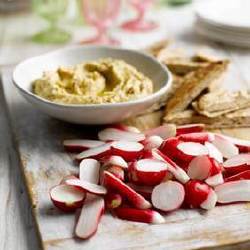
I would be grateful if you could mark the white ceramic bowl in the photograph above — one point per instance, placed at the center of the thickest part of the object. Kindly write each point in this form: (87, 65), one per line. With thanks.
(29, 70)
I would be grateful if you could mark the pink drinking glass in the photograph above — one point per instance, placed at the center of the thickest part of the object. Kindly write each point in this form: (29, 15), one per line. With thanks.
(101, 14)
(139, 23)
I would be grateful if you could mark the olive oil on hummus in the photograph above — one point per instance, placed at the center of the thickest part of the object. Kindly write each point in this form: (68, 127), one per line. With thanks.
(103, 81)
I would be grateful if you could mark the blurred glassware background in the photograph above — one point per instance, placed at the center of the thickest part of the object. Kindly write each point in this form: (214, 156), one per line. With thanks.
(8, 6)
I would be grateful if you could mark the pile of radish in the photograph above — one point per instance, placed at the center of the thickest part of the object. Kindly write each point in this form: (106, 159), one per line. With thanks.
(136, 176)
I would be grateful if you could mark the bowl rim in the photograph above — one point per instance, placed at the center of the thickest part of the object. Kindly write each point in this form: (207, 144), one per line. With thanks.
(148, 98)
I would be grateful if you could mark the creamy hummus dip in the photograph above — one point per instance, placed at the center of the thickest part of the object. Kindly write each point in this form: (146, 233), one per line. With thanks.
(103, 81)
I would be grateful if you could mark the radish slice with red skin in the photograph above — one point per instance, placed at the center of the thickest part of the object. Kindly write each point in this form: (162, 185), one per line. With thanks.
(89, 170)
(95, 153)
(149, 172)
(151, 142)
(113, 200)
(214, 152)
(190, 128)
(116, 185)
(237, 164)
(225, 146)
(77, 146)
(165, 131)
(67, 198)
(145, 191)
(200, 137)
(233, 191)
(125, 128)
(117, 171)
(128, 150)
(199, 195)
(139, 215)
(67, 177)
(215, 180)
(114, 160)
(90, 216)
(168, 196)
(245, 175)
(87, 186)
(113, 134)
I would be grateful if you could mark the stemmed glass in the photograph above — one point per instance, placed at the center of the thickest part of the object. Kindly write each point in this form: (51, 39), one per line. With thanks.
(139, 23)
(101, 14)
(52, 11)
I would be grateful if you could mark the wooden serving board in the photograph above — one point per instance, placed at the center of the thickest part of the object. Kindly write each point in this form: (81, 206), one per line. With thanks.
(38, 139)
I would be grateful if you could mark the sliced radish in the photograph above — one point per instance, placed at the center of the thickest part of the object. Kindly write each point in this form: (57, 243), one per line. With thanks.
(225, 146)
(165, 131)
(113, 134)
(128, 150)
(145, 191)
(126, 128)
(138, 215)
(149, 172)
(67, 177)
(77, 146)
(90, 216)
(168, 196)
(214, 152)
(233, 191)
(113, 200)
(237, 164)
(199, 195)
(87, 186)
(200, 137)
(67, 198)
(89, 170)
(115, 160)
(96, 153)
(117, 171)
(245, 175)
(173, 168)
(189, 128)
(116, 185)
(151, 142)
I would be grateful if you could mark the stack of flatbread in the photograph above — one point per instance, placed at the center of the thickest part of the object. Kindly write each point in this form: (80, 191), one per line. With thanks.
(196, 95)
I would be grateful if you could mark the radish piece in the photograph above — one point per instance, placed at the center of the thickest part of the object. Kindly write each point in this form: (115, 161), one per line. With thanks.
(138, 215)
(113, 183)
(87, 186)
(89, 170)
(245, 175)
(113, 134)
(149, 172)
(116, 171)
(189, 128)
(113, 200)
(227, 148)
(237, 164)
(145, 191)
(214, 152)
(233, 191)
(151, 142)
(68, 177)
(168, 196)
(90, 216)
(173, 168)
(199, 195)
(128, 150)
(115, 160)
(215, 180)
(165, 131)
(200, 137)
(96, 153)
(67, 198)
(126, 128)
(77, 146)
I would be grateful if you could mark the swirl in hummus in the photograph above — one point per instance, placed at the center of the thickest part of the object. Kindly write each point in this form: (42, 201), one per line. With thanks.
(103, 81)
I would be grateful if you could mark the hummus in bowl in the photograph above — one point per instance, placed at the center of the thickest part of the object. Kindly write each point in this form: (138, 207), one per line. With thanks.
(107, 106)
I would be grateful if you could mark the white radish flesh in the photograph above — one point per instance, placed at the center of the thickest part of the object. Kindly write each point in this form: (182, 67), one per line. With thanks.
(89, 170)
(192, 148)
(215, 180)
(214, 152)
(153, 141)
(80, 145)
(115, 160)
(237, 164)
(165, 131)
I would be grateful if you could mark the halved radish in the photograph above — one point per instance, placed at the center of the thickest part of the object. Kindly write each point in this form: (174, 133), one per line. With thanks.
(145, 191)
(200, 137)
(199, 195)
(116, 171)
(139, 215)
(113, 134)
(87, 186)
(233, 191)
(116, 185)
(237, 164)
(113, 200)
(245, 175)
(67, 177)
(151, 142)
(165, 131)
(90, 216)
(214, 152)
(96, 153)
(126, 128)
(77, 146)
(189, 128)
(128, 150)
(149, 172)
(168, 196)
(89, 170)
(225, 146)
(114, 160)
(67, 198)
